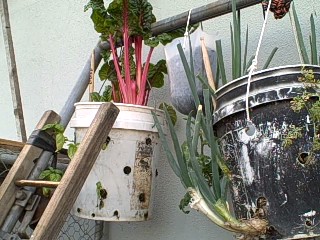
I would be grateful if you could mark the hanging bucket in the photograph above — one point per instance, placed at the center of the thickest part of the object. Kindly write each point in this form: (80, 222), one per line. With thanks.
(120, 186)
(270, 180)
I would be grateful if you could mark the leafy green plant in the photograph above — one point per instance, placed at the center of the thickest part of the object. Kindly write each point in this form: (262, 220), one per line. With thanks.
(240, 64)
(128, 22)
(190, 160)
(50, 174)
(309, 101)
(313, 58)
(58, 131)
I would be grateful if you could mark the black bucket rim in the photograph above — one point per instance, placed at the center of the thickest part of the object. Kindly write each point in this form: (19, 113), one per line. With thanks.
(222, 110)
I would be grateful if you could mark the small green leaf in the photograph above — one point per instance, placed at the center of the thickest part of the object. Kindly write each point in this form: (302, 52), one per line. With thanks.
(45, 174)
(107, 94)
(46, 192)
(156, 74)
(49, 126)
(105, 71)
(60, 141)
(184, 202)
(171, 111)
(95, 97)
(72, 149)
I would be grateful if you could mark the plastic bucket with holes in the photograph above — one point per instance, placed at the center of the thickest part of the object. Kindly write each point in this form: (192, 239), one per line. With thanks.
(270, 180)
(121, 183)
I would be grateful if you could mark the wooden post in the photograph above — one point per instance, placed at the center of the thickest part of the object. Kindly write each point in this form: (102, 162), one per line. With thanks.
(79, 168)
(12, 68)
(22, 168)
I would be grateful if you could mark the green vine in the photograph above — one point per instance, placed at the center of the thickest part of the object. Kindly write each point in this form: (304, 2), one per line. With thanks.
(309, 101)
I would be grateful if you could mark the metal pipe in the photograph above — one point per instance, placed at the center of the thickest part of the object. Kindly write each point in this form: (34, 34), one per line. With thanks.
(199, 14)
(80, 86)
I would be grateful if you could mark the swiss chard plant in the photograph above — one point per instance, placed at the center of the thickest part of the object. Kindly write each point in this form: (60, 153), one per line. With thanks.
(127, 23)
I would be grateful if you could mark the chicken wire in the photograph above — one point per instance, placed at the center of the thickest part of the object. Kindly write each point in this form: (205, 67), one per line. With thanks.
(75, 228)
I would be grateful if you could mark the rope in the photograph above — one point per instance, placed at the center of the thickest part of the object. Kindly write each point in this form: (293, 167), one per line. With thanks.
(186, 33)
(254, 64)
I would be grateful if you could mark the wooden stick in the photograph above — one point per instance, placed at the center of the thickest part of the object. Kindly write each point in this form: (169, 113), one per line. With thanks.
(36, 183)
(207, 66)
(78, 170)
(91, 81)
(22, 168)
(13, 74)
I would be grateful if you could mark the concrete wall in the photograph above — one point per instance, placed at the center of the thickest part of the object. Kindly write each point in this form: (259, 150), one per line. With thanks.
(53, 39)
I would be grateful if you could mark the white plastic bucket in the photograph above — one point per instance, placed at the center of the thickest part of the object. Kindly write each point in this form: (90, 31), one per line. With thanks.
(127, 168)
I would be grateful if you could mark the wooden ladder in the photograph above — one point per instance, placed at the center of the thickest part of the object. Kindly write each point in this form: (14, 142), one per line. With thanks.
(60, 204)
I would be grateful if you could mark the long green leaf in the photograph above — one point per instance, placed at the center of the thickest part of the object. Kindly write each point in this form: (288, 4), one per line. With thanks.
(171, 159)
(190, 76)
(233, 60)
(237, 40)
(203, 186)
(221, 62)
(210, 139)
(301, 46)
(244, 70)
(267, 63)
(313, 42)
(181, 162)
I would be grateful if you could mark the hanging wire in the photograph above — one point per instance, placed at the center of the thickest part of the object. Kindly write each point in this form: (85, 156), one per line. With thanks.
(186, 33)
(254, 64)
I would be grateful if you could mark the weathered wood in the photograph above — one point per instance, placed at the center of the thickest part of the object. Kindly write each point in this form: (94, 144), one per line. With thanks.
(22, 168)
(12, 68)
(79, 168)
(36, 183)
(11, 145)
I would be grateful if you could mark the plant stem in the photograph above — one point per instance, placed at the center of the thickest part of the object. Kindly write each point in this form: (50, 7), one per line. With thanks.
(138, 54)
(251, 227)
(126, 46)
(142, 90)
(122, 84)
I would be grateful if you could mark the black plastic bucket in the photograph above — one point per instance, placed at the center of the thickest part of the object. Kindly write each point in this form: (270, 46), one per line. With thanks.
(269, 180)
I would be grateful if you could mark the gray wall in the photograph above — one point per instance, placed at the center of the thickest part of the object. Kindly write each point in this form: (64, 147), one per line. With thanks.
(52, 41)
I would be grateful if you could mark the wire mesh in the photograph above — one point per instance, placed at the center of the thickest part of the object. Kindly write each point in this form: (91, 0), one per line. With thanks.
(75, 228)
(6, 156)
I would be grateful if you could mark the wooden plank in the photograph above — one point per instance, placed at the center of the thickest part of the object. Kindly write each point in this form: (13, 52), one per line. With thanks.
(12, 68)
(22, 168)
(71, 183)
(11, 145)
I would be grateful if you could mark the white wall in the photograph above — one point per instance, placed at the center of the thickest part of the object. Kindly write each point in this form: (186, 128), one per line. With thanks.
(53, 39)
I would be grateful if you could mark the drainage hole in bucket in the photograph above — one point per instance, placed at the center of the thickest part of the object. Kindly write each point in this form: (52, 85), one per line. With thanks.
(261, 207)
(148, 141)
(142, 197)
(103, 193)
(304, 158)
(93, 215)
(308, 223)
(127, 170)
